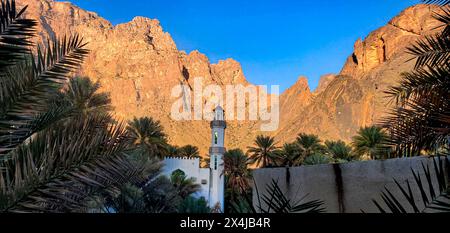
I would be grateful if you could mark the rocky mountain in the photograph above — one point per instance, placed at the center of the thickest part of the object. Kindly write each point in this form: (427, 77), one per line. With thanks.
(355, 97)
(138, 63)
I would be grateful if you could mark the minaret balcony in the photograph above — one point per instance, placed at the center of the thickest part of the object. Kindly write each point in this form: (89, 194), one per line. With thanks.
(217, 150)
(218, 124)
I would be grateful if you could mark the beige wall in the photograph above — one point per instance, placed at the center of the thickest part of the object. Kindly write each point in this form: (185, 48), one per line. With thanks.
(347, 188)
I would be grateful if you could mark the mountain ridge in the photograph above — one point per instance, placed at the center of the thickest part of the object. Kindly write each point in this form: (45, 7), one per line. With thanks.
(138, 63)
(355, 97)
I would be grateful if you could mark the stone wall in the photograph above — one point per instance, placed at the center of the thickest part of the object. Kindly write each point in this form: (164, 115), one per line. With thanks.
(345, 188)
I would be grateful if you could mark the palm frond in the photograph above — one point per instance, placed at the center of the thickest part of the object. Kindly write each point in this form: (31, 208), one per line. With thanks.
(15, 33)
(420, 125)
(276, 202)
(61, 167)
(25, 93)
(421, 118)
(82, 95)
(432, 50)
(444, 19)
(149, 137)
(423, 82)
(432, 198)
(439, 2)
(264, 152)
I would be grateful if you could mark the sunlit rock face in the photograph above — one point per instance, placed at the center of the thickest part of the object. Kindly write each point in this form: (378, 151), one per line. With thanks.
(138, 63)
(355, 97)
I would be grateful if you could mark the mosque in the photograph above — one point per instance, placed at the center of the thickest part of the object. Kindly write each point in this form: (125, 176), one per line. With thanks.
(210, 179)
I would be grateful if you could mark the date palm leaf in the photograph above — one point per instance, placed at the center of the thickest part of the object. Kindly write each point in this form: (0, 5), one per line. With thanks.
(439, 2)
(432, 50)
(276, 202)
(15, 34)
(27, 87)
(63, 166)
(434, 192)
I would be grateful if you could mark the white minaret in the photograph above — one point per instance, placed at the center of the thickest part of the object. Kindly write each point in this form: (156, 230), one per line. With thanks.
(216, 153)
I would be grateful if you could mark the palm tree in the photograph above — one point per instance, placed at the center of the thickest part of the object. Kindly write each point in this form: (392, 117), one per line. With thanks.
(184, 186)
(82, 97)
(339, 150)
(371, 142)
(421, 118)
(49, 165)
(317, 159)
(189, 151)
(77, 160)
(129, 200)
(173, 151)
(236, 171)
(161, 196)
(264, 152)
(148, 137)
(290, 155)
(309, 144)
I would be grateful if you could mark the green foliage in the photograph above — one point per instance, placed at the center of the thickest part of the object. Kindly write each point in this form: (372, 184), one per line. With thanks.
(46, 164)
(62, 167)
(27, 87)
(15, 34)
(242, 204)
(237, 176)
(172, 151)
(184, 186)
(157, 194)
(317, 159)
(129, 200)
(264, 152)
(59, 150)
(309, 144)
(161, 196)
(371, 142)
(291, 155)
(188, 151)
(339, 150)
(81, 97)
(148, 137)
(192, 205)
(420, 120)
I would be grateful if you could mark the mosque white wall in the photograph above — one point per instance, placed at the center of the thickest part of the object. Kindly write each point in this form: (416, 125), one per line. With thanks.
(191, 167)
(210, 179)
(217, 182)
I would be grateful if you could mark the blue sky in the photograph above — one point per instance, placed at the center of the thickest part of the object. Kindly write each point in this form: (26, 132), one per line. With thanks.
(275, 41)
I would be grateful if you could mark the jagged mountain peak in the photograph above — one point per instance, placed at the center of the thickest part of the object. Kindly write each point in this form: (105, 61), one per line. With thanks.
(324, 81)
(355, 97)
(138, 63)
